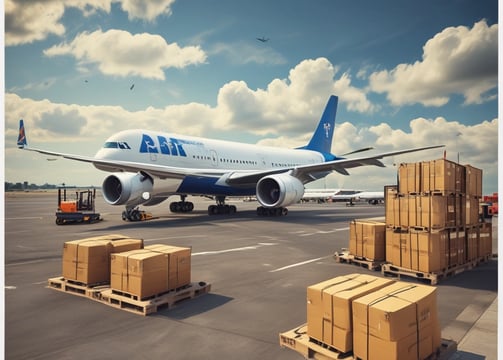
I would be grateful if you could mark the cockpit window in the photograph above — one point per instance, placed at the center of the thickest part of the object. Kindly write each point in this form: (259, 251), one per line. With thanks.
(111, 145)
(116, 145)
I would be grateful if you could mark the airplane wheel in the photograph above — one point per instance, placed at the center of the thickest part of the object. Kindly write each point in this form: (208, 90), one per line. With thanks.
(59, 221)
(232, 209)
(124, 216)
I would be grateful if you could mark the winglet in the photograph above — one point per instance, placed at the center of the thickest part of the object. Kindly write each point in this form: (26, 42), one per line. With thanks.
(21, 138)
(322, 137)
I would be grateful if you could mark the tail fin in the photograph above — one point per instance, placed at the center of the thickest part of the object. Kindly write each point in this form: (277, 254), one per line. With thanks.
(322, 137)
(21, 138)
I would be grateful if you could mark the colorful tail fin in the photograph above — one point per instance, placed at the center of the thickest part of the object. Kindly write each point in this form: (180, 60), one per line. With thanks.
(322, 137)
(21, 138)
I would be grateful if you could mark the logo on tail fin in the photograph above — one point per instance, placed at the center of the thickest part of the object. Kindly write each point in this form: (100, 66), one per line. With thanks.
(327, 127)
(21, 138)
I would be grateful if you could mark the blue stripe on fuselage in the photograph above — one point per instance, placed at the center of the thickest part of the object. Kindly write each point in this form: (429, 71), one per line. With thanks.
(195, 185)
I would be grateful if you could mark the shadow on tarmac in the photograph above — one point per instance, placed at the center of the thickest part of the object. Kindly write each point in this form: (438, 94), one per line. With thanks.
(191, 307)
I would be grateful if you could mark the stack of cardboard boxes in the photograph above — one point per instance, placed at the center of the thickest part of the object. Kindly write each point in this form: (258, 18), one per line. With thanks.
(127, 265)
(367, 239)
(374, 317)
(432, 217)
(154, 270)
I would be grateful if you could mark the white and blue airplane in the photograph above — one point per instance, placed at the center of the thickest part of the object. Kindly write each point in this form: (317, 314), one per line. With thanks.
(147, 167)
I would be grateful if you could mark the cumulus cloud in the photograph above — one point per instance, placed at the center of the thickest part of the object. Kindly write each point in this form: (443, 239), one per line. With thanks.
(457, 60)
(35, 20)
(289, 105)
(29, 21)
(120, 53)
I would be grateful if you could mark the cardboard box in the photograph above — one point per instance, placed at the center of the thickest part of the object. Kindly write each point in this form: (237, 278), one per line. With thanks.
(392, 209)
(485, 239)
(457, 245)
(471, 210)
(367, 238)
(433, 250)
(142, 273)
(473, 181)
(399, 320)
(409, 176)
(329, 309)
(179, 264)
(88, 260)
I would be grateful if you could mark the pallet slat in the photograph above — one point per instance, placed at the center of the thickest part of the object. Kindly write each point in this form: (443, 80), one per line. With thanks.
(298, 340)
(432, 277)
(346, 257)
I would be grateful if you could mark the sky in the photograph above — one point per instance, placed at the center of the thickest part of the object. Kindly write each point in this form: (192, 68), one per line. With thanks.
(407, 74)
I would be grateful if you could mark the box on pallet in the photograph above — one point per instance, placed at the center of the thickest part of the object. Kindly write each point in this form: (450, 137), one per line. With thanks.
(179, 264)
(150, 271)
(329, 312)
(399, 320)
(473, 181)
(367, 239)
(430, 176)
(486, 240)
(425, 251)
(88, 260)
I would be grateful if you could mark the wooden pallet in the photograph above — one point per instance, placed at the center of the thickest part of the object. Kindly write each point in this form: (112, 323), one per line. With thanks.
(346, 257)
(74, 287)
(104, 294)
(152, 305)
(298, 340)
(432, 277)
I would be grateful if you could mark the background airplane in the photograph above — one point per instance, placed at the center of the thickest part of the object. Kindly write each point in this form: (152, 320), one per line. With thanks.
(147, 167)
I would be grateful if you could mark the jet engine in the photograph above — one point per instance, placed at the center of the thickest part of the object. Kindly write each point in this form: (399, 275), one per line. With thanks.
(279, 190)
(127, 188)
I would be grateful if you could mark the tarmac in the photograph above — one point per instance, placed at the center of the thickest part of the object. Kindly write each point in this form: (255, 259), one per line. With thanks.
(258, 269)
(481, 340)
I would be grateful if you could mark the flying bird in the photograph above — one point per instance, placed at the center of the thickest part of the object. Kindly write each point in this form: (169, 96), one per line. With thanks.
(263, 39)
(131, 88)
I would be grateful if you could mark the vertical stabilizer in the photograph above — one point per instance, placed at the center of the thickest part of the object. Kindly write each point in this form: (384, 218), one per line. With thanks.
(322, 137)
(21, 138)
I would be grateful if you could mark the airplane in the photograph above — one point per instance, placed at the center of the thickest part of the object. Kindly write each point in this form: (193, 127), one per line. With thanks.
(147, 167)
(263, 39)
(372, 197)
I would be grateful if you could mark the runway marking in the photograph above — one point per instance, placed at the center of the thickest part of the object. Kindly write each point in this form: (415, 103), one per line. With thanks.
(298, 264)
(245, 248)
(324, 232)
(25, 218)
(10, 287)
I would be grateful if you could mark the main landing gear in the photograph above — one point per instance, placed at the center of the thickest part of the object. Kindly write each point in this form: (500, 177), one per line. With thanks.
(181, 206)
(221, 207)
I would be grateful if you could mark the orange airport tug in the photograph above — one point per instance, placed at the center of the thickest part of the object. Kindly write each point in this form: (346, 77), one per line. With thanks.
(80, 209)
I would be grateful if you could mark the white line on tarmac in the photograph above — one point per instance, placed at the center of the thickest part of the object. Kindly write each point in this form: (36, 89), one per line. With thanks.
(245, 248)
(25, 218)
(298, 264)
(323, 232)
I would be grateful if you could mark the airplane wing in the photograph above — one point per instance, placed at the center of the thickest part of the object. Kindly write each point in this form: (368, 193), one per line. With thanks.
(308, 173)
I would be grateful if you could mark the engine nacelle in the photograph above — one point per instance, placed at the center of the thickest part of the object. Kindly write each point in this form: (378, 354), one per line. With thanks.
(127, 188)
(279, 190)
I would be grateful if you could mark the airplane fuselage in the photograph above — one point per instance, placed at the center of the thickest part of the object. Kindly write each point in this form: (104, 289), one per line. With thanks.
(214, 157)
